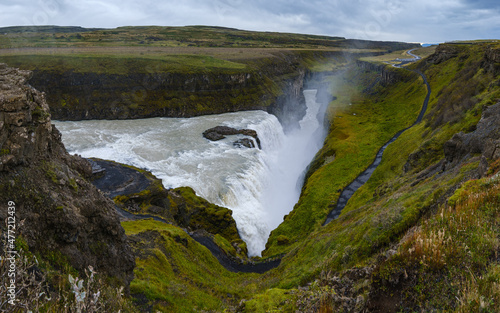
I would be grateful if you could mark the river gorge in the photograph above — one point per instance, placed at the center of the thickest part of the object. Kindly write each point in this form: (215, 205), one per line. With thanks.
(260, 186)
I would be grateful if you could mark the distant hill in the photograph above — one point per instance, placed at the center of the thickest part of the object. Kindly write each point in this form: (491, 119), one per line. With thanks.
(46, 29)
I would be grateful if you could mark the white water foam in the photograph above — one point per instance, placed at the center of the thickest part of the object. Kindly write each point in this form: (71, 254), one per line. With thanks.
(259, 186)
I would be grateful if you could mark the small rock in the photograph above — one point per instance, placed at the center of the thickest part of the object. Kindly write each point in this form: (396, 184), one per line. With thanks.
(245, 142)
(220, 132)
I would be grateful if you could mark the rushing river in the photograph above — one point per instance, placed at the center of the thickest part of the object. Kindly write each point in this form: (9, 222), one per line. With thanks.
(259, 186)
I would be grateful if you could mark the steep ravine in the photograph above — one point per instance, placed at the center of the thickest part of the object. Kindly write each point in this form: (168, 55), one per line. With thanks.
(364, 261)
(362, 178)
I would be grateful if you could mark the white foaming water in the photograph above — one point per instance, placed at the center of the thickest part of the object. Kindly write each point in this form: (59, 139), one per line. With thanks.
(259, 186)
(289, 162)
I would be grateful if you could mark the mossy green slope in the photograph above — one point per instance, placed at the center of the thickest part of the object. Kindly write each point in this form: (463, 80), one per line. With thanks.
(364, 116)
(450, 262)
(180, 206)
(177, 274)
(407, 188)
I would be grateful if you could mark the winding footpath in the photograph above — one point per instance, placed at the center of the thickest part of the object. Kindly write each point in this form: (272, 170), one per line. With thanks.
(366, 174)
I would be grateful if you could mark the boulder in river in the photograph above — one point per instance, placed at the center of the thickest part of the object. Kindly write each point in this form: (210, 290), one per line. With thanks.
(220, 132)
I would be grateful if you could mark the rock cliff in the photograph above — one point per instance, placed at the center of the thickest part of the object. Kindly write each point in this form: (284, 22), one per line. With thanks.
(484, 140)
(274, 85)
(387, 75)
(59, 214)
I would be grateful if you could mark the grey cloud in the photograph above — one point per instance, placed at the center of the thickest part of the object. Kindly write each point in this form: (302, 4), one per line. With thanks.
(405, 20)
(483, 4)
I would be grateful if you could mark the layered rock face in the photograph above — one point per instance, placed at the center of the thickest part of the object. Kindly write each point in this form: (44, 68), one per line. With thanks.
(24, 120)
(83, 96)
(63, 216)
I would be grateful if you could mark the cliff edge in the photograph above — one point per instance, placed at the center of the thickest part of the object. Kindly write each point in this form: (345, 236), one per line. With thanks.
(58, 213)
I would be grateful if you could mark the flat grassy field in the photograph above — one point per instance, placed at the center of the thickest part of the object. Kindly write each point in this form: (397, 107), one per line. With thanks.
(387, 57)
(192, 46)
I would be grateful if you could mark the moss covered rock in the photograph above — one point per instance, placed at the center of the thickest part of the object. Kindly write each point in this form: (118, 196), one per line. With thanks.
(140, 192)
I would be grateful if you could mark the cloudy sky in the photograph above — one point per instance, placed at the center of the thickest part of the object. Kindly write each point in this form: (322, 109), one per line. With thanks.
(428, 21)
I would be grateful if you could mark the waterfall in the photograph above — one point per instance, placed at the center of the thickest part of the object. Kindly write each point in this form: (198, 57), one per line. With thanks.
(259, 186)
(289, 162)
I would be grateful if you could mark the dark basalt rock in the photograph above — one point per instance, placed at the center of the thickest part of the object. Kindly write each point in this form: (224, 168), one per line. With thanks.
(213, 136)
(97, 170)
(220, 132)
(443, 53)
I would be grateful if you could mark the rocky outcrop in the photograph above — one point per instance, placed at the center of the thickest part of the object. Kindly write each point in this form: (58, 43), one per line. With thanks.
(24, 120)
(140, 192)
(59, 214)
(245, 142)
(490, 58)
(220, 132)
(443, 53)
(289, 107)
(492, 62)
(485, 140)
(387, 74)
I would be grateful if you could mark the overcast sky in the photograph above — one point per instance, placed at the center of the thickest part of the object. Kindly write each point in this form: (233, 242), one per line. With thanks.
(427, 21)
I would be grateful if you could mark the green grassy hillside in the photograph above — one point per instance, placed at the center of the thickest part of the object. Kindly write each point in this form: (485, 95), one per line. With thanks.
(365, 115)
(411, 238)
(409, 189)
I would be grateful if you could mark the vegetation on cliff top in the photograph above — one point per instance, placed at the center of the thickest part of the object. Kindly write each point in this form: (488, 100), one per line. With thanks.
(187, 46)
(187, 36)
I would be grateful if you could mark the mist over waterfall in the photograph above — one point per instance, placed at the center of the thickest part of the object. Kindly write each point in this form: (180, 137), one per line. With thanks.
(288, 163)
(259, 186)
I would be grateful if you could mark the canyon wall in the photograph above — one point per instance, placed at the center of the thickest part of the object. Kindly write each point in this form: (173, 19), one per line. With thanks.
(58, 214)
(274, 85)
